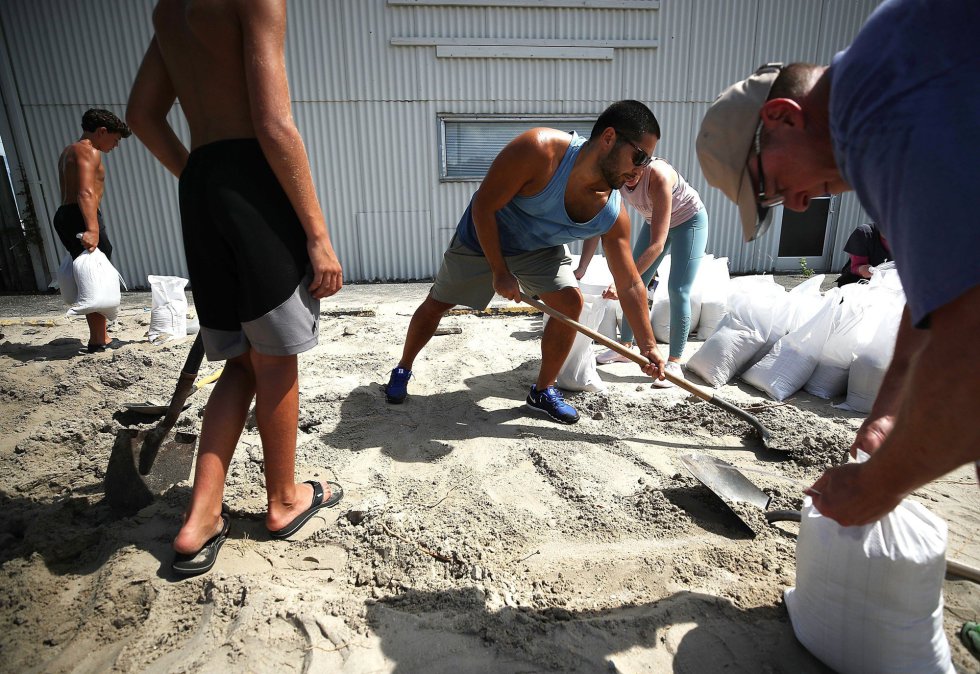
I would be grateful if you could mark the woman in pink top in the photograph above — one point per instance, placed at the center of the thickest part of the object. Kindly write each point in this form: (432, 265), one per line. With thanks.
(675, 222)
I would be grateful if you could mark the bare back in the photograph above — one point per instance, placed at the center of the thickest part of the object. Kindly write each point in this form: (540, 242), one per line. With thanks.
(201, 45)
(80, 170)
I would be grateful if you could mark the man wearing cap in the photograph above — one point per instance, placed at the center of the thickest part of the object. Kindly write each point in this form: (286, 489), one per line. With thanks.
(896, 118)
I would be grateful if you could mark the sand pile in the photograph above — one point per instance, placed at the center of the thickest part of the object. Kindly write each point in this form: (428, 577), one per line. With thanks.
(473, 537)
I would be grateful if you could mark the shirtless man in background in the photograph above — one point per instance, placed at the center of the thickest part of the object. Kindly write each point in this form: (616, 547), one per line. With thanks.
(81, 179)
(256, 241)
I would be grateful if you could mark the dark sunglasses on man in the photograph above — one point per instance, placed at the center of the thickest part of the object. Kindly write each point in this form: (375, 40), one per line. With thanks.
(640, 158)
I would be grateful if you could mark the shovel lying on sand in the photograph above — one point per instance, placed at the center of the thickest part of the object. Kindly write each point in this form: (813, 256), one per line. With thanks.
(728, 483)
(707, 396)
(128, 489)
(733, 488)
(154, 408)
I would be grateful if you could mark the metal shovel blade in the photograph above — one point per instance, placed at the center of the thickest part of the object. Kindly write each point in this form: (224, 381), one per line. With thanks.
(727, 482)
(125, 489)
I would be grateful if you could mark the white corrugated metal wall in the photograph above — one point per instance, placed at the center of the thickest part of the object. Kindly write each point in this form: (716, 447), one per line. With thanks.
(368, 109)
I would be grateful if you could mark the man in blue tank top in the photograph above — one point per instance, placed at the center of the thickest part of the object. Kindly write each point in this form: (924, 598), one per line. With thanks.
(546, 188)
(895, 118)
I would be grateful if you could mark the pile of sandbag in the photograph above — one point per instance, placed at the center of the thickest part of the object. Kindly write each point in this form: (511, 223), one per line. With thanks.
(828, 343)
(742, 332)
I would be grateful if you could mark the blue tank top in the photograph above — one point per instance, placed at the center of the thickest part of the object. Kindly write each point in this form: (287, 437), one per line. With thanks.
(540, 221)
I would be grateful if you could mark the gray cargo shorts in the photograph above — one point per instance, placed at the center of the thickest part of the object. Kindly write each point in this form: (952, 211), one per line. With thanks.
(465, 276)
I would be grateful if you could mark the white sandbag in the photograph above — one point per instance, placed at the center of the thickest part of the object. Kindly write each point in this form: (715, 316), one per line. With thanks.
(849, 331)
(869, 598)
(596, 278)
(594, 282)
(98, 285)
(792, 360)
(714, 297)
(871, 362)
(805, 301)
(66, 281)
(697, 291)
(168, 316)
(579, 373)
(726, 352)
(828, 380)
(660, 312)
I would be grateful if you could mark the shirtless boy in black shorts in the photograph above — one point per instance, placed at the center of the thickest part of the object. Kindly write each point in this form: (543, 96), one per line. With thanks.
(256, 241)
(81, 179)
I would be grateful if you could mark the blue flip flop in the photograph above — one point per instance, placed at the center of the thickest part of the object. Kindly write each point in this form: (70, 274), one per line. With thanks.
(199, 562)
(336, 493)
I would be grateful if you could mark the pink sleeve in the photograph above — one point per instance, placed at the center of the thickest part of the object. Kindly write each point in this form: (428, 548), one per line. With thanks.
(857, 261)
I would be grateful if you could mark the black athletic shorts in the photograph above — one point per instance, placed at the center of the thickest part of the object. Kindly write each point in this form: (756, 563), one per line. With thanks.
(69, 222)
(246, 254)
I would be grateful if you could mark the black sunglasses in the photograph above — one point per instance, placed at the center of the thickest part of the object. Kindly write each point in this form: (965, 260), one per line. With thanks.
(640, 158)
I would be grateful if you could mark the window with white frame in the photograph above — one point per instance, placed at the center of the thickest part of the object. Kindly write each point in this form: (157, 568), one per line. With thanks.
(469, 143)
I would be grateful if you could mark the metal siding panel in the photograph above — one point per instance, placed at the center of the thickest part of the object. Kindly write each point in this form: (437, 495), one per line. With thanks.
(786, 31)
(376, 155)
(317, 51)
(375, 69)
(70, 52)
(659, 74)
(722, 45)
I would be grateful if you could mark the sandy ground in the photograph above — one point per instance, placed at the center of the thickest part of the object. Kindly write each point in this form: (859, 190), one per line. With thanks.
(474, 536)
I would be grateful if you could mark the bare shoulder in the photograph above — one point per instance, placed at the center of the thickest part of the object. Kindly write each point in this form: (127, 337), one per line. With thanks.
(80, 152)
(662, 175)
(539, 148)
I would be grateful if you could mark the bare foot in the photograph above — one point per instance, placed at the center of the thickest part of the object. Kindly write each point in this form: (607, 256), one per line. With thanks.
(193, 536)
(280, 514)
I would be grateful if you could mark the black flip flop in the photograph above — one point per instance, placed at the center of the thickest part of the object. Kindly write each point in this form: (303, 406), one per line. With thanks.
(201, 561)
(336, 493)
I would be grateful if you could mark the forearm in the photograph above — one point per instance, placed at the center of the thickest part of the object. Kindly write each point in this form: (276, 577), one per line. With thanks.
(160, 139)
(648, 256)
(284, 150)
(935, 431)
(88, 204)
(634, 303)
(488, 235)
(589, 247)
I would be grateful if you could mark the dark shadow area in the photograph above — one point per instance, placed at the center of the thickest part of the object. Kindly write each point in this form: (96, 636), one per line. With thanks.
(63, 348)
(427, 427)
(77, 535)
(686, 632)
(708, 511)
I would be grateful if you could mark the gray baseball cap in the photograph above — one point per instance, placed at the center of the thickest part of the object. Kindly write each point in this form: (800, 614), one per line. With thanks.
(725, 139)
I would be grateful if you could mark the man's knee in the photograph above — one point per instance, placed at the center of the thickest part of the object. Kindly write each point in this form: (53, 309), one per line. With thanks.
(433, 308)
(569, 301)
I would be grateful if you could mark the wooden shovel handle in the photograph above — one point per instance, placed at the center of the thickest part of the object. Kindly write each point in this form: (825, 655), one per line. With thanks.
(642, 361)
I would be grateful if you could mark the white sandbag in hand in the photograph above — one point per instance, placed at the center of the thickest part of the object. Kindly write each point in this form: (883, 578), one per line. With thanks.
(869, 598)
(168, 317)
(98, 285)
(66, 281)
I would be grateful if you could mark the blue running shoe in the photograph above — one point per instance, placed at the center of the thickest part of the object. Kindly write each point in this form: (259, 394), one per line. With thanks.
(397, 388)
(551, 403)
